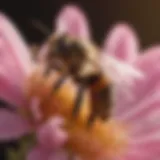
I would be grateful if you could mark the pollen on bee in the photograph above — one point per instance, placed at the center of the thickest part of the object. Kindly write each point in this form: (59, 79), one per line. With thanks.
(102, 139)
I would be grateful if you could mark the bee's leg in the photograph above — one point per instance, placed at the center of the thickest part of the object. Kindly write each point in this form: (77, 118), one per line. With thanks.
(106, 99)
(101, 103)
(91, 119)
(78, 100)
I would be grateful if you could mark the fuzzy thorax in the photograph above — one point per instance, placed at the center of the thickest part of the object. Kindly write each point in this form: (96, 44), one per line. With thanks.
(102, 139)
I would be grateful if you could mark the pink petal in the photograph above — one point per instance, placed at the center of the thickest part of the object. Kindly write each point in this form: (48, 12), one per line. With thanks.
(149, 59)
(73, 21)
(149, 64)
(60, 155)
(142, 115)
(15, 62)
(141, 152)
(12, 126)
(139, 155)
(51, 134)
(35, 109)
(122, 43)
(40, 153)
(11, 91)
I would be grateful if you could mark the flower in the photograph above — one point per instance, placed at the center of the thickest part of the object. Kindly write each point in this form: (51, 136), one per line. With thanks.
(138, 108)
(15, 67)
(139, 113)
(130, 133)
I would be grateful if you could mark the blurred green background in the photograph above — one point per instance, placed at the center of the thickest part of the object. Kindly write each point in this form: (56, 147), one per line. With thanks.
(144, 15)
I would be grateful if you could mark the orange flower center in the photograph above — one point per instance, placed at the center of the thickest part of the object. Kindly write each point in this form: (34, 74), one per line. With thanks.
(103, 139)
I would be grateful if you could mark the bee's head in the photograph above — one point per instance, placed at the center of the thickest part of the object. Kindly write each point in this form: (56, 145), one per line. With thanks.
(67, 50)
(66, 47)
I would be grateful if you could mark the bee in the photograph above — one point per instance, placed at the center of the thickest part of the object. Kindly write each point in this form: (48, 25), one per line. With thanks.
(79, 59)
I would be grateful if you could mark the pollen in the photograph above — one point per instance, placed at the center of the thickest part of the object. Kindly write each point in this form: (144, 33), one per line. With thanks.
(101, 140)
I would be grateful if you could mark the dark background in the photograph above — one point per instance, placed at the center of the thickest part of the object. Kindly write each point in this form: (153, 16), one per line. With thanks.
(144, 15)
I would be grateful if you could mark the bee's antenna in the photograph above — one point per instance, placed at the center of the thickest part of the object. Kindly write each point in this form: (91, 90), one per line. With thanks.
(41, 27)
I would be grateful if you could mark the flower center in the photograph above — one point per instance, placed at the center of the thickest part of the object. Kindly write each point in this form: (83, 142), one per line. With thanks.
(102, 139)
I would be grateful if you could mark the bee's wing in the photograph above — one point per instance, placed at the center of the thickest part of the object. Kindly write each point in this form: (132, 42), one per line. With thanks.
(72, 20)
(15, 62)
(118, 71)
